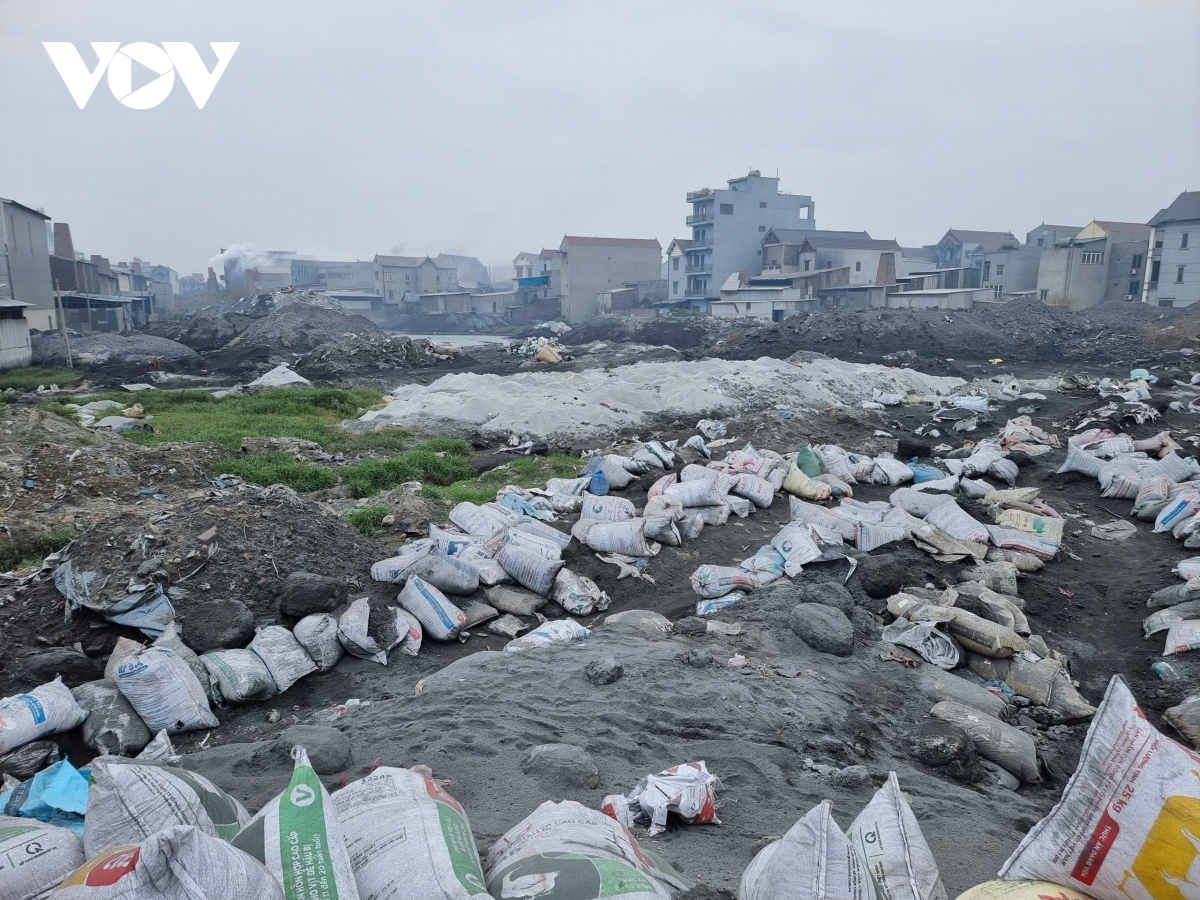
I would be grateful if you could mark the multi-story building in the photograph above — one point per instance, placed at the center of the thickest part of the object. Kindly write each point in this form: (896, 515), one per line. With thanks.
(1173, 276)
(1104, 262)
(332, 275)
(403, 279)
(677, 270)
(25, 264)
(594, 264)
(728, 226)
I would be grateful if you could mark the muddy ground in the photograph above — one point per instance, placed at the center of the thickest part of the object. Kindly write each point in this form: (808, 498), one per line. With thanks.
(478, 711)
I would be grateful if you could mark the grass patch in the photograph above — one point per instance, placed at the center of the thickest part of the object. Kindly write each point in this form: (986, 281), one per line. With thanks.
(279, 468)
(367, 519)
(281, 412)
(27, 555)
(441, 461)
(523, 471)
(28, 379)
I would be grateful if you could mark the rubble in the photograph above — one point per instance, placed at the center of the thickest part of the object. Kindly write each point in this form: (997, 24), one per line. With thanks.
(300, 328)
(350, 355)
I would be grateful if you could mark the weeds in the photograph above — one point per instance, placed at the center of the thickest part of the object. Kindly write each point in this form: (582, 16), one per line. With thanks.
(442, 461)
(523, 471)
(280, 468)
(31, 553)
(367, 519)
(29, 378)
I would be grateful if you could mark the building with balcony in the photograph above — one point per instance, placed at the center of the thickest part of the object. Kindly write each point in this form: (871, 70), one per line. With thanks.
(1173, 276)
(728, 226)
(1104, 262)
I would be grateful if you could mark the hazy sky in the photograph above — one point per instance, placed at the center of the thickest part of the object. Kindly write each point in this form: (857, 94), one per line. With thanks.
(349, 129)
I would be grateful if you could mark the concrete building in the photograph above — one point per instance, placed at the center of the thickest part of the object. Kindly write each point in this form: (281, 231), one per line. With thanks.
(867, 261)
(15, 350)
(677, 270)
(594, 264)
(25, 266)
(468, 269)
(781, 247)
(333, 275)
(1173, 276)
(960, 248)
(773, 296)
(916, 259)
(403, 279)
(1104, 262)
(728, 226)
(524, 264)
(1048, 235)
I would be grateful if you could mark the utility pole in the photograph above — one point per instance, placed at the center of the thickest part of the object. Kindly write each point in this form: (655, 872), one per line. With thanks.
(62, 323)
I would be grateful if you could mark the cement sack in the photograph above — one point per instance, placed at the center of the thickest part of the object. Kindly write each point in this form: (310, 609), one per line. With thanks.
(1153, 492)
(181, 863)
(796, 547)
(765, 566)
(918, 503)
(164, 691)
(835, 462)
(353, 632)
(394, 569)
(569, 852)
(1081, 461)
(528, 569)
(439, 618)
(1185, 718)
(1122, 465)
(568, 486)
(171, 640)
(626, 538)
(531, 543)
(515, 601)
(123, 648)
(298, 838)
(664, 506)
(708, 607)
(451, 542)
(447, 574)
(112, 727)
(477, 520)
(1188, 569)
(712, 515)
(663, 530)
(538, 528)
(1123, 486)
(937, 685)
(924, 639)
(983, 636)
(407, 838)
(1174, 594)
(696, 493)
(1165, 618)
(1179, 509)
(757, 490)
(869, 537)
(616, 475)
(1025, 562)
(130, 800)
(890, 471)
(318, 635)
(1126, 826)
(1032, 677)
(1001, 577)
(800, 485)
(159, 749)
(750, 460)
(740, 506)
(1021, 890)
(1043, 526)
(577, 594)
(35, 857)
(837, 487)
(1182, 637)
(487, 570)
(861, 467)
(285, 659)
(607, 509)
(1004, 470)
(413, 634)
(811, 514)
(888, 837)
(555, 631)
(710, 582)
(691, 525)
(813, 861)
(957, 522)
(861, 511)
(1009, 748)
(240, 675)
(1022, 541)
(1171, 467)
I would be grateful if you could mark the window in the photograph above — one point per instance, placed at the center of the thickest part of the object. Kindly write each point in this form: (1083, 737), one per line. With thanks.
(1154, 269)
(727, 209)
(1044, 293)
(1179, 274)
(1091, 257)
(1136, 262)
(675, 263)
(1183, 241)
(857, 266)
(997, 290)
(999, 270)
(1134, 288)
(391, 294)
(389, 276)
(762, 204)
(408, 276)
(675, 287)
(987, 270)
(806, 263)
(1041, 241)
(762, 227)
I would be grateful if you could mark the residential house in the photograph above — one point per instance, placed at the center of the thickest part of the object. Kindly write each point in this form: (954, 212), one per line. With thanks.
(469, 271)
(916, 259)
(1173, 278)
(403, 279)
(1104, 262)
(333, 275)
(1004, 265)
(594, 264)
(25, 266)
(867, 261)
(780, 250)
(728, 226)
(677, 269)
(90, 289)
(524, 265)
(775, 295)
(1048, 235)
(15, 349)
(960, 248)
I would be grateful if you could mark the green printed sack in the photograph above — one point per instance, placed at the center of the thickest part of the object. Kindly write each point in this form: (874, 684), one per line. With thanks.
(298, 838)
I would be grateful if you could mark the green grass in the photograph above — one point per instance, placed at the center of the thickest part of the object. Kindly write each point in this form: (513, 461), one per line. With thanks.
(28, 379)
(367, 519)
(282, 412)
(523, 471)
(27, 555)
(422, 463)
(279, 468)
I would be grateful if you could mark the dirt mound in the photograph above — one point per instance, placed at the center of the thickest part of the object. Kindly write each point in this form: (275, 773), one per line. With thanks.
(447, 323)
(301, 327)
(200, 330)
(681, 333)
(367, 354)
(107, 349)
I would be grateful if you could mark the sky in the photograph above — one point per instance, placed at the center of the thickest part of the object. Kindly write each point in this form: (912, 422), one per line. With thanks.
(487, 128)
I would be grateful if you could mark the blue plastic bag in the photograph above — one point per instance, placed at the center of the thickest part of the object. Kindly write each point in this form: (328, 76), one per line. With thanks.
(923, 472)
(57, 795)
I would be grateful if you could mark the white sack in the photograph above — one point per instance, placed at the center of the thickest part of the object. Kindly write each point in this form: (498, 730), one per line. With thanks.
(164, 691)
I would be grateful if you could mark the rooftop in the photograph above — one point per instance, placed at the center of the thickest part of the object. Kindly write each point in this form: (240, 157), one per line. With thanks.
(634, 243)
(1185, 209)
(840, 243)
(29, 209)
(991, 241)
(798, 235)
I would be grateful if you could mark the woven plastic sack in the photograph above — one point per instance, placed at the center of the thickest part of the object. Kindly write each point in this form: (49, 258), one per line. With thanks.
(1082, 462)
(1047, 528)
(567, 850)
(765, 566)
(477, 519)
(241, 675)
(1185, 718)
(1182, 637)
(1126, 824)
(318, 635)
(808, 462)
(446, 573)
(800, 485)
(531, 543)
(1001, 577)
(834, 461)
(814, 861)
(538, 528)
(891, 471)
(1171, 467)
(709, 582)
(164, 691)
(696, 493)
(1011, 749)
(129, 800)
(439, 618)
(1123, 486)
(627, 538)
(1153, 489)
(577, 594)
(353, 632)
(1023, 541)
(1179, 509)
(811, 514)
(837, 487)
(46, 710)
(888, 837)
(407, 838)
(555, 631)
(956, 522)
(608, 509)
(35, 857)
(1021, 890)
(528, 569)
(171, 640)
(285, 659)
(756, 490)
(569, 486)
(180, 863)
(298, 838)
(918, 503)
(796, 547)
(112, 727)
